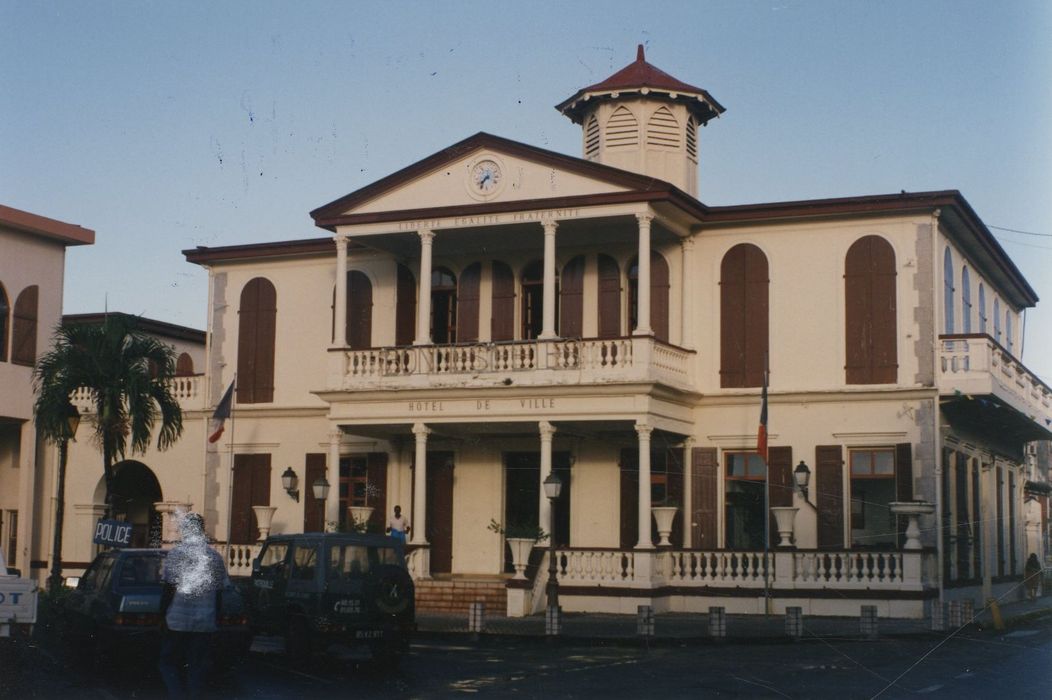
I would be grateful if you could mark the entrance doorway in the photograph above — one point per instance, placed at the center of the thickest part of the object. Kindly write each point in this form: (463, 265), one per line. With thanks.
(439, 527)
(135, 490)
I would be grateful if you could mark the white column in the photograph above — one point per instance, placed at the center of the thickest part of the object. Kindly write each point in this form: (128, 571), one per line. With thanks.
(548, 320)
(643, 431)
(423, 304)
(27, 516)
(340, 307)
(544, 514)
(418, 521)
(688, 488)
(686, 333)
(643, 280)
(332, 475)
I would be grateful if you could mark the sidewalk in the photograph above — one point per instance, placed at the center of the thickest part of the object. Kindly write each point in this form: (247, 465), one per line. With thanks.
(694, 627)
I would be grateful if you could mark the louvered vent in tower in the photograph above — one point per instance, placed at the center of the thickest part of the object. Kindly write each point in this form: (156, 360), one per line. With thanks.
(591, 139)
(622, 130)
(692, 138)
(663, 129)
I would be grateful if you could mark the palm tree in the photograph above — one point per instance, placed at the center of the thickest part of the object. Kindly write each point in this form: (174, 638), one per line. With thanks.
(126, 375)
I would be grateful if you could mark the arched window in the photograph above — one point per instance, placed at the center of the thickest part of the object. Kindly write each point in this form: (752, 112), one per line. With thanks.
(405, 306)
(591, 139)
(468, 304)
(663, 129)
(947, 292)
(609, 311)
(871, 355)
(982, 308)
(966, 301)
(24, 327)
(443, 306)
(184, 365)
(1009, 338)
(502, 318)
(571, 298)
(359, 310)
(257, 317)
(658, 295)
(5, 312)
(533, 300)
(622, 130)
(997, 320)
(743, 316)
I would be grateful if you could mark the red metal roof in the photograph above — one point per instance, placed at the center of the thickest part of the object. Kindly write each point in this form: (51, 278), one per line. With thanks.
(67, 234)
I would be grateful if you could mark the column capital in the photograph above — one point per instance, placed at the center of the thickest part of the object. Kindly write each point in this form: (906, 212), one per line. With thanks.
(550, 225)
(547, 430)
(687, 243)
(644, 219)
(688, 443)
(426, 235)
(335, 436)
(643, 431)
(421, 430)
(341, 239)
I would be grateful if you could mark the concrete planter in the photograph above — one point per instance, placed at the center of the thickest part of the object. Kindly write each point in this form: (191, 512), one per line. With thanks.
(663, 516)
(784, 518)
(520, 553)
(264, 517)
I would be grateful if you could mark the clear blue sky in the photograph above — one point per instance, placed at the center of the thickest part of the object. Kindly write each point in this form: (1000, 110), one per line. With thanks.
(167, 125)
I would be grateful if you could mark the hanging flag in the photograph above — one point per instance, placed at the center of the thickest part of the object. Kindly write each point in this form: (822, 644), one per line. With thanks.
(761, 434)
(222, 412)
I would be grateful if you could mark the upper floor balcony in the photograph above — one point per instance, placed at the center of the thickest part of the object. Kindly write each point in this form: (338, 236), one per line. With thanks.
(584, 361)
(189, 390)
(975, 366)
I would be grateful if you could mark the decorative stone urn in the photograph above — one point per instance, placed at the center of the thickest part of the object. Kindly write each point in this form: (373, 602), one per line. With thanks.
(360, 514)
(663, 516)
(264, 516)
(520, 553)
(913, 510)
(784, 517)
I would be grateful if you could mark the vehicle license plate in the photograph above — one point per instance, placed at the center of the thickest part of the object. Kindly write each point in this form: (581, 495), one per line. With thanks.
(369, 634)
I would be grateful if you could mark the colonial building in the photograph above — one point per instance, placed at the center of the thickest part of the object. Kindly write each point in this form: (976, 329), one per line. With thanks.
(32, 270)
(497, 312)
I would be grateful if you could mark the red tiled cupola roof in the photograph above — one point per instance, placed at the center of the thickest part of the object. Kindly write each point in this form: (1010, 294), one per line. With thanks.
(642, 78)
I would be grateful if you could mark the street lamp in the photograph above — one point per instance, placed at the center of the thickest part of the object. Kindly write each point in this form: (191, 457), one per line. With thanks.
(290, 482)
(320, 487)
(72, 423)
(802, 476)
(553, 487)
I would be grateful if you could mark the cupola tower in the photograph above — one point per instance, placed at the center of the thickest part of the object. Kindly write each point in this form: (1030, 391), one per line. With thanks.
(644, 120)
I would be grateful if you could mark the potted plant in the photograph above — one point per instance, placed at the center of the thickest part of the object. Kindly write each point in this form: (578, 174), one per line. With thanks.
(521, 538)
(358, 516)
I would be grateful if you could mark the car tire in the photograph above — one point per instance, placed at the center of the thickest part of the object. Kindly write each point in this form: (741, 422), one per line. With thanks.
(297, 639)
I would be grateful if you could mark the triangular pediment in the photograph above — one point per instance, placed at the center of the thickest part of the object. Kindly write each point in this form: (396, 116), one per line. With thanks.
(452, 179)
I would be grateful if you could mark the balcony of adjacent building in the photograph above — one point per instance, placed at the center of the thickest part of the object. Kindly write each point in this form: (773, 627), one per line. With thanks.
(189, 390)
(984, 389)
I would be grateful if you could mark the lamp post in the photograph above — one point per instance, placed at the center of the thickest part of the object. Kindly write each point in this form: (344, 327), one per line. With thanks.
(320, 488)
(72, 422)
(553, 487)
(290, 482)
(802, 476)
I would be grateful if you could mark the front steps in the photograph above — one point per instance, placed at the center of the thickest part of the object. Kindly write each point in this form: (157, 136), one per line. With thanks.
(455, 595)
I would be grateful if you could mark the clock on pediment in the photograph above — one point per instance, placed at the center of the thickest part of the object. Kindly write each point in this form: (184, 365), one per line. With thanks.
(485, 177)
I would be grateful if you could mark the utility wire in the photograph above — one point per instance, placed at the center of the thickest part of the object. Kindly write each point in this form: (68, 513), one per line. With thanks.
(1015, 230)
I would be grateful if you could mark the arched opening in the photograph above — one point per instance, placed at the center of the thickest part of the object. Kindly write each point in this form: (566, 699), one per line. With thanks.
(443, 306)
(184, 365)
(533, 300)
(659, 288)
(134, 491)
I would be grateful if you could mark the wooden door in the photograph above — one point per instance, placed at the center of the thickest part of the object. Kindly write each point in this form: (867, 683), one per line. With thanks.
(571, 296)
(829, 496)
(405, 307)
(376, 467)
(780, 487)
(439, 530)
(629, 497)
(468, 304)
(359, 310)
(313, 509)
(251, 488)
(704, 494)
(609, 302)
(502, 319)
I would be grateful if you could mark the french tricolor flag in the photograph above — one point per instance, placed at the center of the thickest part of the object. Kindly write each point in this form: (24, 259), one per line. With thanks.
(761, 434)
(222, 412)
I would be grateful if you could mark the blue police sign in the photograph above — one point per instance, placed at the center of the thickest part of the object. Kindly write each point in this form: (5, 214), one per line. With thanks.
(113, 533)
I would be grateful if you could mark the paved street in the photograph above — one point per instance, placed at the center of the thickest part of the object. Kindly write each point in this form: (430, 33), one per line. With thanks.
(974, 663)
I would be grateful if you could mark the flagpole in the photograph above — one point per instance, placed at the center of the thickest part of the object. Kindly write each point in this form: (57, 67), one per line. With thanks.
(766, 508)
(230, 478)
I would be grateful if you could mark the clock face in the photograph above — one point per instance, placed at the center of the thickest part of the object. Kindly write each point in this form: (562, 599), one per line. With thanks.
(485, 176)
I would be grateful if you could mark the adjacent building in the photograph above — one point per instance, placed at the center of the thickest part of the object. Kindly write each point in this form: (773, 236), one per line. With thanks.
(496, 312)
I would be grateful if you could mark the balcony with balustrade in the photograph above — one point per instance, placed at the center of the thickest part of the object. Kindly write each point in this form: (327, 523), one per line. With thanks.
(581, 361)
(188, 390)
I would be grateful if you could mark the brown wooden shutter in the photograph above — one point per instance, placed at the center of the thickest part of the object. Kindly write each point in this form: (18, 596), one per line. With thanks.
(251, 488)
(255, 343)
(24, 328)
(376, 468)
(964, 521)
(609, 303)
(184, 365)
(629, 497)
(502, 321)
(871, 355)
(571, 296)
(743, 316)
(829, 496)
(313, 509)
(659, 287)
(5, 309)
(674, 486)
(780, 488)
(703, 497)
(904, 471)
(359, 310)
(405, 307)
(468, 304)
